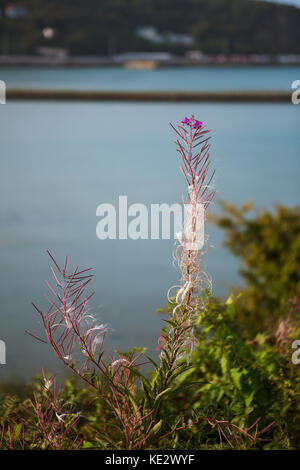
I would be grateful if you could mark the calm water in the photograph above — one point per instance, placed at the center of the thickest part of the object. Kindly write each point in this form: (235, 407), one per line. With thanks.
(60, 160)
(200, 78)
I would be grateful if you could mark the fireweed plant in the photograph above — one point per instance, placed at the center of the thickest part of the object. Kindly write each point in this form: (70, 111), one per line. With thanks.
(191, 135)
(134, 400)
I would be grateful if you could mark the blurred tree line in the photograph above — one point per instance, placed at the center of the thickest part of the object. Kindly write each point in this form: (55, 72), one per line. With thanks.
(102, 27)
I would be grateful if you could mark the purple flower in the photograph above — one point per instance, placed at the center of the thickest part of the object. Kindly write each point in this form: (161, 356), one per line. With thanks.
(186, 120)
(192, 122)
(197, 124)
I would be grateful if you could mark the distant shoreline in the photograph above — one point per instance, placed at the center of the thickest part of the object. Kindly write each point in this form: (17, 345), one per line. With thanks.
(36, 61)
(151, 96)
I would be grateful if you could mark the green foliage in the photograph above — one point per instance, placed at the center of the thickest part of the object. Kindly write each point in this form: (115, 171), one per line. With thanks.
(269, 248)
(228, 379)
(241, 382)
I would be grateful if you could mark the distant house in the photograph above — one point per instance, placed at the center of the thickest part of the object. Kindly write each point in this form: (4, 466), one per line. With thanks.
(150, 33)
(195, 56)
(180, 39)
(58, 53)
(288, 59)
(260, 58)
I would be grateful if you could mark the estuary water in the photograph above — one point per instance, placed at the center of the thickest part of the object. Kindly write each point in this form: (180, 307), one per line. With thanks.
(191, 79)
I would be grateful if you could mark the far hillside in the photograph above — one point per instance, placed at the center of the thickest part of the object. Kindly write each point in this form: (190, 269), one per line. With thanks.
(105, 27)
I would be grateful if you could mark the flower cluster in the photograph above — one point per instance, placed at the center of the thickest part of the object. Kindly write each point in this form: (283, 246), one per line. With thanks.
(194, 123)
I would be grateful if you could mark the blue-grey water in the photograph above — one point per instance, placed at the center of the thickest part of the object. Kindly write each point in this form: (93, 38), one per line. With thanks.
(60, 160)
(199, 78)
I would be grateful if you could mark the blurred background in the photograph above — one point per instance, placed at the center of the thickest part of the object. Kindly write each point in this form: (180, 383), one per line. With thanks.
(61, 159)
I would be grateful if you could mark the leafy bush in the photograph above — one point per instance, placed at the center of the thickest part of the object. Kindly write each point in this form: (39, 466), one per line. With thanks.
(240, 380)
(269, 248)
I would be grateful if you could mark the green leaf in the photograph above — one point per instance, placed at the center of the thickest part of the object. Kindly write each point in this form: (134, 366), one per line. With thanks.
(157, 427)
(152, 362)
(160, 395)
(230, 299)
(224, 364)
(17, 431)
(87, 445)
(236, 375)
(249, 398)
